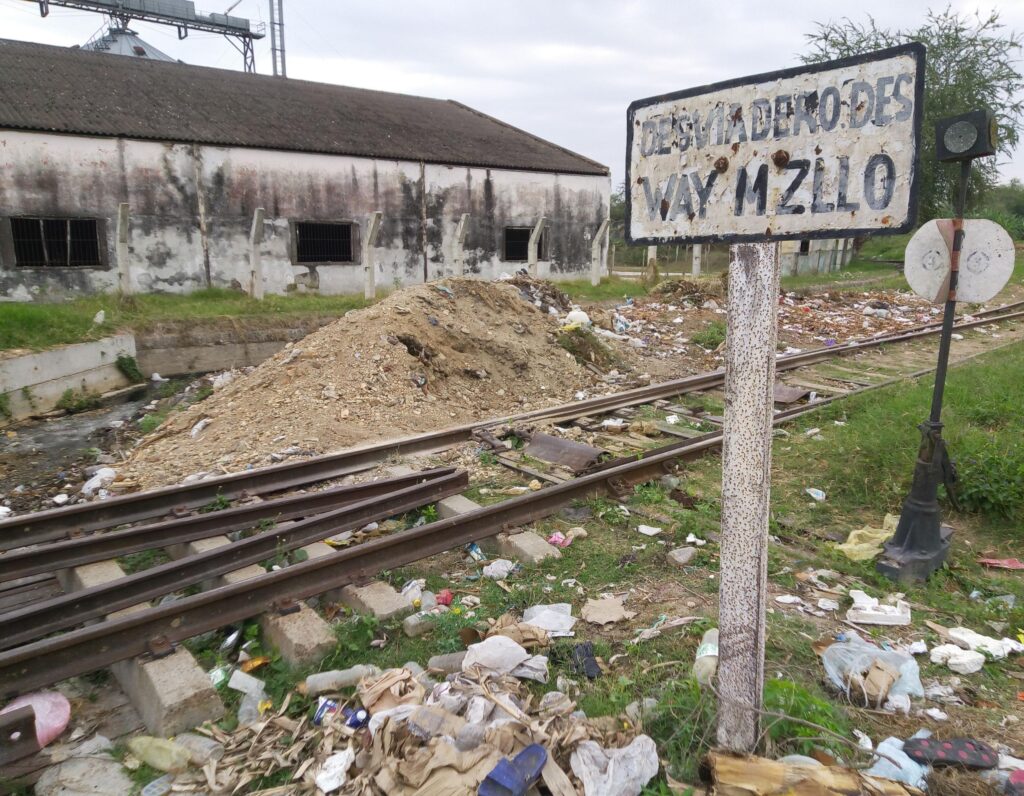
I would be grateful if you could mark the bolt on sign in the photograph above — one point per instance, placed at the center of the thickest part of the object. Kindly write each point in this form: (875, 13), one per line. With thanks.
(820, 151)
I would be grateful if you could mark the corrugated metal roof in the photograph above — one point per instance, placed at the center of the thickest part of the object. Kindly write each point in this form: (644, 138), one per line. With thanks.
(75, 91)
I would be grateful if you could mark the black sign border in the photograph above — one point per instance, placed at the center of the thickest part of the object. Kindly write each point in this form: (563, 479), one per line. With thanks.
(914, 49)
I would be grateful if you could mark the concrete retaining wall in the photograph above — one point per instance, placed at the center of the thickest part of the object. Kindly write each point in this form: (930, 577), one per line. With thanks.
(34, 383)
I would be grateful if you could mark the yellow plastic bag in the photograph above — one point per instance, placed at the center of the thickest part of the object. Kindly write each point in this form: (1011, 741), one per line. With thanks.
(865, 543)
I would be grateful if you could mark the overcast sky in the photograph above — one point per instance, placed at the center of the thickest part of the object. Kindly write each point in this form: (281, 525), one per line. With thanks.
(562, 69)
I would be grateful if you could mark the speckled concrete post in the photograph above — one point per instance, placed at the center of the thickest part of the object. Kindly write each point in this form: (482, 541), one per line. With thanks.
(746, 480)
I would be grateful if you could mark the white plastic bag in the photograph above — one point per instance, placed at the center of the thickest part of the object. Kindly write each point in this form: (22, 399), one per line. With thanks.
(846, 658)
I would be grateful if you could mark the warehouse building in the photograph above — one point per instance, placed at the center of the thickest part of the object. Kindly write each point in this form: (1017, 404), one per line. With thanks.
(148, 176)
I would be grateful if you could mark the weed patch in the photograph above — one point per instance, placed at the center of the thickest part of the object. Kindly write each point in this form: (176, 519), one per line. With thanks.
(711, 336)
(129, 368)
(73, 403)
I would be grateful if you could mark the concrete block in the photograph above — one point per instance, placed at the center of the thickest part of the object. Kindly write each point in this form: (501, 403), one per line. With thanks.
(377, 598)
(454, 506)
(171, 694)
(526, 547)
(302, 637)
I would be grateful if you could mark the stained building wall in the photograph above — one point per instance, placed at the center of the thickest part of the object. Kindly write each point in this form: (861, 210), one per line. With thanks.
(191, 210)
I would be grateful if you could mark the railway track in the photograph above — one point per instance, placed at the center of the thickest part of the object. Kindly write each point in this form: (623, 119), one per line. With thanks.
(33, 657)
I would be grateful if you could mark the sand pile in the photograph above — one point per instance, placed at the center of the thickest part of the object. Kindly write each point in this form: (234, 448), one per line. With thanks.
(423, 359)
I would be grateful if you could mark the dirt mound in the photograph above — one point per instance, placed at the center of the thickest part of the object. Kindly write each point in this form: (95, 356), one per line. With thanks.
(423, 359)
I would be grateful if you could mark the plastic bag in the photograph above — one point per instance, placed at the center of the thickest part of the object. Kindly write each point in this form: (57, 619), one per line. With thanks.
(845, 659)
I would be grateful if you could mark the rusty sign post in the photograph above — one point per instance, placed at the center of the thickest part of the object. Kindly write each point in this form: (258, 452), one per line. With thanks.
(823, 151)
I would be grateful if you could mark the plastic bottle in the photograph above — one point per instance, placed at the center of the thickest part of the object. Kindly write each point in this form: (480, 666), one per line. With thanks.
(202, 749)
(322, 682)
(162, 754)
(249, 710)
(705, 664)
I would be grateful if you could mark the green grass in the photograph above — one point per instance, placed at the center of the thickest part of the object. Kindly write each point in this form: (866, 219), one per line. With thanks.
(711, 336)
(38, 325)
(608, 290)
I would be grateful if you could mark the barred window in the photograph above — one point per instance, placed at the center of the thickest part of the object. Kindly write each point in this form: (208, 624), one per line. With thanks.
(317, 242)
(56, 242)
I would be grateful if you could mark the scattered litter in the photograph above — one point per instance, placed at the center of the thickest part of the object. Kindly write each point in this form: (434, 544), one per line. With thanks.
(788, 599)
(1002, 563)
(942, 692)
(817, 494)
(691, 539)
(160, 753)
(868, 674)
(866, 543)
(663, 623)
(649, 530)
(199, 426)
(52, 713)
(895, 764)
(391, 689)
(101, 479)
(758, 776)
(960, 752)
(918, 647)
(517, 776)
(936, 714)
(497, 654)
(867, 610)
(957, 659)
(556, 619)
(334, 771)
(584, 661)
(499, 569)
(605, 611)
(997, 648)
(825, 604)
(623, 772)
(705, 663)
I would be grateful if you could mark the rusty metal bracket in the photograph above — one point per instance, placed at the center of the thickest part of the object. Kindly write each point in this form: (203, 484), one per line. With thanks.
(159, 647)
(285, 606)
(618, 488)
(18, 734)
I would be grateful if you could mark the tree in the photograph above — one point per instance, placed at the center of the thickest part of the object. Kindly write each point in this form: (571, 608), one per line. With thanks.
(970, 64)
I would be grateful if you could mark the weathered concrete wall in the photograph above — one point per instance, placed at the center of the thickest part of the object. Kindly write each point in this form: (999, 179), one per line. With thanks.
(34, 383)
(191, 211)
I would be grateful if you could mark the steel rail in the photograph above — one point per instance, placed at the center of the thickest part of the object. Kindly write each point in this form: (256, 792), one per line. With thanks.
(84, 517)
(67, 610)
(102, 546)
(79, 651)
(54, 659)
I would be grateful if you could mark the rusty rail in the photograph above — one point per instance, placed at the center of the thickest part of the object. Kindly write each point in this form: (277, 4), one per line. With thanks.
(101, 546)
(68, 521)
(68, 610)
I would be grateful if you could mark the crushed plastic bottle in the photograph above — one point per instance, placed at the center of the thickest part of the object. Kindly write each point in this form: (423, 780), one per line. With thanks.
(202, 749)
(160, 753)
(705, 663)
(159, 787)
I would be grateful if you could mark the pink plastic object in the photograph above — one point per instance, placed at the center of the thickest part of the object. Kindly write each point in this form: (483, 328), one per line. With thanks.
(1002, 563)
(559, 539)
(53, 712)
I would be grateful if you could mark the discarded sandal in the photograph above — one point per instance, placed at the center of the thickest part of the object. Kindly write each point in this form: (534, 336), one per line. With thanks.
(515, 777)
(584, 662)
(963, 752)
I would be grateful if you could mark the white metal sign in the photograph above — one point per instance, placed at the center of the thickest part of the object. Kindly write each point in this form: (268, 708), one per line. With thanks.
(986, 260)
(821, 151)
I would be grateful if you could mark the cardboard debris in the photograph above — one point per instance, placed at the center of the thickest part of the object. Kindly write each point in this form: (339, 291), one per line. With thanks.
(733, 775)
(605, 611)
(393, 688)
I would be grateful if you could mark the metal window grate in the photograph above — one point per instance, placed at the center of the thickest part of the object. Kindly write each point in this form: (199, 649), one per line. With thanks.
(323, 243)
(55, 242)
(517, 244)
